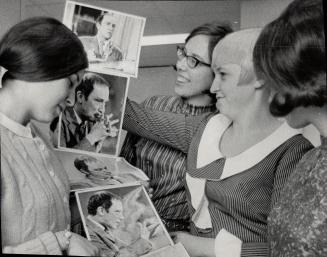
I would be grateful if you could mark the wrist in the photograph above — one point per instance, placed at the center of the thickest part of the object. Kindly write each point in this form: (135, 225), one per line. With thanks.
(63, 238)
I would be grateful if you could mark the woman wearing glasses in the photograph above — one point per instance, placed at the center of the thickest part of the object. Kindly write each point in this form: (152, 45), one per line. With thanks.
(238, 160)
(165, 165)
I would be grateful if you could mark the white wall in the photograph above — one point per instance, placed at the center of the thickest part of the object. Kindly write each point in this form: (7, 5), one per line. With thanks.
(257, 13)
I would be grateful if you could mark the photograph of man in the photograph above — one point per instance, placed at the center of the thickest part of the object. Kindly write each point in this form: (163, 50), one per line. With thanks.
(85, 125)
(101, 47)
(96, 172)
(105, 214)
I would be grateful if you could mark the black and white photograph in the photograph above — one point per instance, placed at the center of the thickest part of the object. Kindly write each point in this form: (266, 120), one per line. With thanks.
(121, 219)
(111, 39)
(87, 170)
(93, 123)
(163, 128)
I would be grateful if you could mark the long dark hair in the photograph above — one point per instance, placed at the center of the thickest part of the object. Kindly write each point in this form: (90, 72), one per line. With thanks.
(41, 49)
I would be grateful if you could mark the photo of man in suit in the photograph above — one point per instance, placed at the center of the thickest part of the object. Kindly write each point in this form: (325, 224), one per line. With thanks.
(105, 214)
(85, 125)
(101, 47)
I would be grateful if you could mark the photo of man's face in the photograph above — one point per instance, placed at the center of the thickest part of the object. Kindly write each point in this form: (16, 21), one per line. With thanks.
(93, 168)
(114, 216)
(107, 26)
(93, 107)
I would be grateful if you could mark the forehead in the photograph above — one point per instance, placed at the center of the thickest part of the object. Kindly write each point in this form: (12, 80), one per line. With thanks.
(108, 18)
(198, 46)
(225, 54)
(116, 205)
(100, 91)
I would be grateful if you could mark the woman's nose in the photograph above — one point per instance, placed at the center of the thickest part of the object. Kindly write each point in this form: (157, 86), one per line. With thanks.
(181, 64)
(215, 86)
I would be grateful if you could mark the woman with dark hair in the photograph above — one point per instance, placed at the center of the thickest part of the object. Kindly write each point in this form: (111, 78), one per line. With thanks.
(165, 165)
(238, 160)
(44, 62)
(294, 66)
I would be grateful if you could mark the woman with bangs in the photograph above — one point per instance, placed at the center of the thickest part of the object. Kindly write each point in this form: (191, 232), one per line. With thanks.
(238, 160)
(297, 73)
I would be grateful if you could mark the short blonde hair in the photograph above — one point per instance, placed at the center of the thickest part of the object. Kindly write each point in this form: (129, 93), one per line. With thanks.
(237, 48)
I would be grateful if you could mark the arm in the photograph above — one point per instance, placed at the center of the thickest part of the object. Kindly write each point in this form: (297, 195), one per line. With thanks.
(175, 130)
(45, 243)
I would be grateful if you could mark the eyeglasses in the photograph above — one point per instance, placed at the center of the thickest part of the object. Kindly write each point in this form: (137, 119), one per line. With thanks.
(191, 61)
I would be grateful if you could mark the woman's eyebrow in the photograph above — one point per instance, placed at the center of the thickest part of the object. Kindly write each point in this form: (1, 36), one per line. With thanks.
(194, 55)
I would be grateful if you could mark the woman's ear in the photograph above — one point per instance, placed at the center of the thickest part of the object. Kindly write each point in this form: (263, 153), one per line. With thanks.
(259, 83)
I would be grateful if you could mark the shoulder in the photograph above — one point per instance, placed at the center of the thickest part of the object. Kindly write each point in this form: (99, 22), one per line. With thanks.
(87, 38)
(297, 143)
(162, 102)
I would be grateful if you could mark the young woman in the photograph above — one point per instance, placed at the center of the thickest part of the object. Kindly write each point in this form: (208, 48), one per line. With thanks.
(44, 62)
(297, 73)
(238, 160)
(164, 165)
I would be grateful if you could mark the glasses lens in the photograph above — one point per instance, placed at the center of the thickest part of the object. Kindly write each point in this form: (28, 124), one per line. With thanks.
(192, 62)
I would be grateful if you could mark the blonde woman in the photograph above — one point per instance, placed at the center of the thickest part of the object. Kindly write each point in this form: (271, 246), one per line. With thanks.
(238, 160)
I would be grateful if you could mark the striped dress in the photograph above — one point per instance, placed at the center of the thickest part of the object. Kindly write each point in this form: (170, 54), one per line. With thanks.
(232, 193)
(34, 192)
(164, 165)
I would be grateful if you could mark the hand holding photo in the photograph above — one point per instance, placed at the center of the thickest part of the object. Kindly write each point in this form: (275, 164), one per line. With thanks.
(121, 219)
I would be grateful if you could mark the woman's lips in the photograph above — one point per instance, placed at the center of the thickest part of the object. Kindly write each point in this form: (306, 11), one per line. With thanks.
(182, 79)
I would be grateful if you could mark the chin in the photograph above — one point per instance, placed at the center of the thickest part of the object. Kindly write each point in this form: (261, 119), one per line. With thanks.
(297, 124)
(296, 120)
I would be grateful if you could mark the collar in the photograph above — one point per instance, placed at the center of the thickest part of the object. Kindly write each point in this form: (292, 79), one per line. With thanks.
(212, 134)
(103, 42)
(89, 217)
(101, 227)
(78, 119)
(15, 127)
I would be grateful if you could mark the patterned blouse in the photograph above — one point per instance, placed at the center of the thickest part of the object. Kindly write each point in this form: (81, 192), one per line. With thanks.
(164, 165)
(34, 192)
(298, 222)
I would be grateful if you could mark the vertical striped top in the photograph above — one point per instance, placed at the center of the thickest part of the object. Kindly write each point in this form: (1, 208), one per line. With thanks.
(164, 165)
(34, 192)
(239, 203)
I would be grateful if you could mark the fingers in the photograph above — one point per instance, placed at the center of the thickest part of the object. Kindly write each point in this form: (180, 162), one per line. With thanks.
(113, 122)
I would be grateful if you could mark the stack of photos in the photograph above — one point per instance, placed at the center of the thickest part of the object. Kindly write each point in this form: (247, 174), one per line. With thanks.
(112, 41)
(122, 219)
(109, 203)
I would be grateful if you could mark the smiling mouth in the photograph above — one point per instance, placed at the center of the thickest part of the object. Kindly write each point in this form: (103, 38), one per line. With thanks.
(182, 79)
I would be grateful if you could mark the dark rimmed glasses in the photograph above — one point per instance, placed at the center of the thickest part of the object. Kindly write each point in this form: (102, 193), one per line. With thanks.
(191, 61)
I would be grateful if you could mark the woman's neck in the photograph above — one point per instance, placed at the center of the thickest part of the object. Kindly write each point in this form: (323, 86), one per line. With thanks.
(200, 100)
(13, 105)
(249, 127)
(319, 120)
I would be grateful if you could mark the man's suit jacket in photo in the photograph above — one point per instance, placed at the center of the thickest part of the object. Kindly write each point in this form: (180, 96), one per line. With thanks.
(91, 43)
